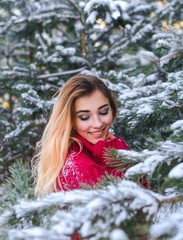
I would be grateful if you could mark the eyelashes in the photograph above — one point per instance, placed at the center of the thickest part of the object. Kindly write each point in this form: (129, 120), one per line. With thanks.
(104, 112)
(85, 117)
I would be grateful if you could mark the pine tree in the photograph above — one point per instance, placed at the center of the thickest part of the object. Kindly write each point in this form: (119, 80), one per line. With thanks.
(136, 47)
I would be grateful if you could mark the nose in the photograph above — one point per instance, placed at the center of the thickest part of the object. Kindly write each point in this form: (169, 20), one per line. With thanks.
(97, 122)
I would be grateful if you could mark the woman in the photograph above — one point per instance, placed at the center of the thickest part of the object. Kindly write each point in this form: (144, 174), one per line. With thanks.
(76, 136)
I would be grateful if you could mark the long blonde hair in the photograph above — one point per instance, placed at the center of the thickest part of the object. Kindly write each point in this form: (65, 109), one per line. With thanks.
(58, 134)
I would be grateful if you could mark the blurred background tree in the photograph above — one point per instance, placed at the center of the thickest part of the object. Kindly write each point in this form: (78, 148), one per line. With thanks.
(136, 47)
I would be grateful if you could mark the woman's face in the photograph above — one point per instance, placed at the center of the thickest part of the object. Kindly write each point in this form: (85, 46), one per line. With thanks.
(93, 117)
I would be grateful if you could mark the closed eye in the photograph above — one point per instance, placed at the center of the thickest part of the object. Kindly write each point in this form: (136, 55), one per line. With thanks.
(83, 117)
(104, 111)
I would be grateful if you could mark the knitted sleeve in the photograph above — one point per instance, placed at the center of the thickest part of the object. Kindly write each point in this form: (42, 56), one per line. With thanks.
(80, 170)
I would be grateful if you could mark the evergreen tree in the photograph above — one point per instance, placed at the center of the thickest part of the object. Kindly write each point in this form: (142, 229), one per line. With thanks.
(136, 47)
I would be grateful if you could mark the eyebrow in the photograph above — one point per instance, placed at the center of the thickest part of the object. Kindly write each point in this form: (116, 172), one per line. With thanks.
(86, 111)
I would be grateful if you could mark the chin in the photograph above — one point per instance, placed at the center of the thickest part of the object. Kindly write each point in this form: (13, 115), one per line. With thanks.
(94, 141)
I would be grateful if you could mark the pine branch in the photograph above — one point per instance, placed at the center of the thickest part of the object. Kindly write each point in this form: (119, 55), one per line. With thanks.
(83, 44)
(45, 76)
(75, 7)
(17, 186)
(172, 199)
(126, 197)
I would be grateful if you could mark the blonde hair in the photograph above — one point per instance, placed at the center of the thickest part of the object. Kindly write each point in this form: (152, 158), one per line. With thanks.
(59, 132)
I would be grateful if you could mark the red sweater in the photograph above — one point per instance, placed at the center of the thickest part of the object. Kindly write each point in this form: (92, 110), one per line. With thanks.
(88, 165)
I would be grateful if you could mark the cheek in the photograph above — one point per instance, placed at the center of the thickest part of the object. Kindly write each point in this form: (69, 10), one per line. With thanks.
(80, 126)
(109, 119)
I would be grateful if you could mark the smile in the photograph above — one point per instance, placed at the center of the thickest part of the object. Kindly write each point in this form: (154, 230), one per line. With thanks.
(97, 133)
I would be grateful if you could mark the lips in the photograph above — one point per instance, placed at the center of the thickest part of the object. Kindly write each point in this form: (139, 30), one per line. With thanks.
(98, 134)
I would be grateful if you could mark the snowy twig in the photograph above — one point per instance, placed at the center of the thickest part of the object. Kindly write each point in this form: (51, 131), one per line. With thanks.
(174, 199)
(45, 76)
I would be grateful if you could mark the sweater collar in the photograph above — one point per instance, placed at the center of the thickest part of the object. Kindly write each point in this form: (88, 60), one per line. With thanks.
(96, 150)
(85, 142)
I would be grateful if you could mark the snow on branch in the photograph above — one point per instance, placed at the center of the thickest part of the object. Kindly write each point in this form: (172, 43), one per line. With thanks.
(142, 33)
(177, 172)
(147, 160)
(177, 128)
(101, 209)
(19, 129)
(31, 97)
(139, 7)
(171, 227)
(16, 72)
(7, 25)
(92, 9)
(149, 99)
(61, 73)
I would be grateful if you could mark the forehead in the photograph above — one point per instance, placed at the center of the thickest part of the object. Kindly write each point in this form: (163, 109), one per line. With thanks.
(91, 101)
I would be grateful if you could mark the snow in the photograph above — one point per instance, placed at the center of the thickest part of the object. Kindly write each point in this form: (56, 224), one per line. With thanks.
(112, 6)
(70, 51)
(147, 161)
(19, 129)
(31, 97)
(162, 43)
(180, 95)
(122, 4)
(147, 57)
(33, 233)
(92, 17)
(147, 167)
(145, 109)
(90, 5)
(170, 225)
(176, 172)
(24, 111)
(140, 96)
(118, 234)
(6, 215)
(22, 86)
(112, 203)
(177, 124)
(78, 60)
(82, 4)
(86, 229)
(121, 217)
(142, 32)
(95, 202)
